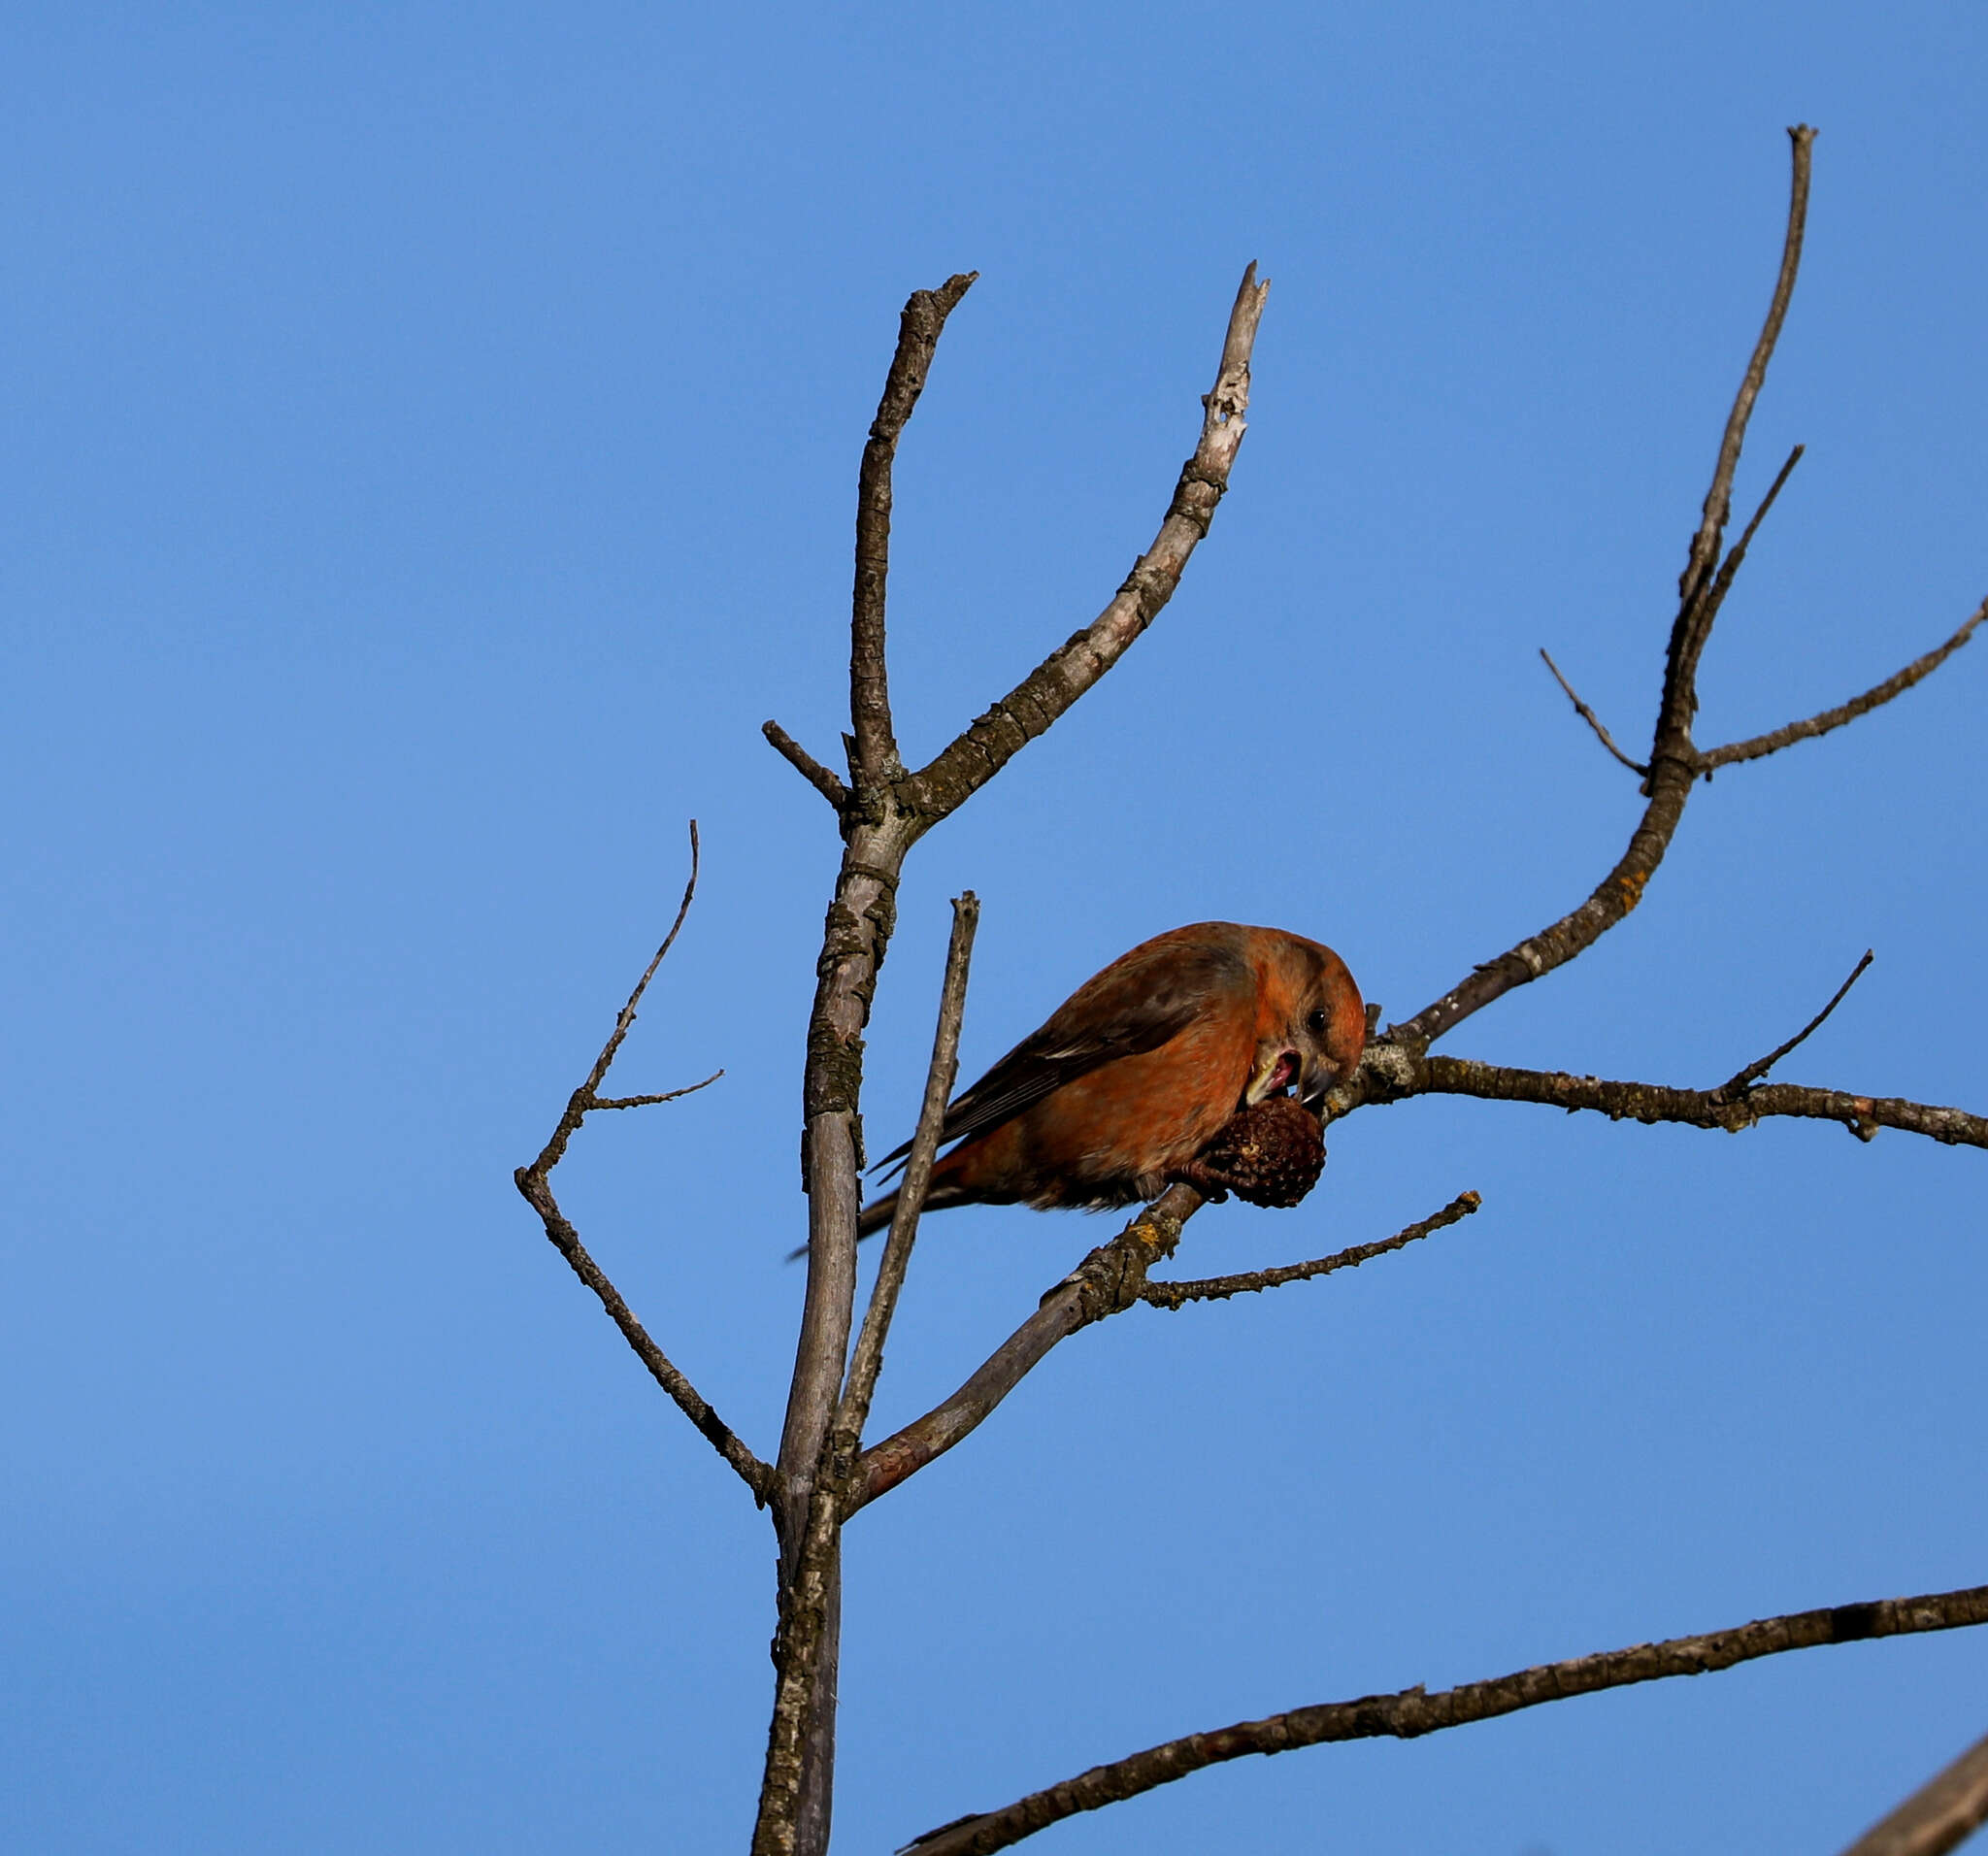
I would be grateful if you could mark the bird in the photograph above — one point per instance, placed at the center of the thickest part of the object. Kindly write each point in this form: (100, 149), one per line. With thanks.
(1138, 1071)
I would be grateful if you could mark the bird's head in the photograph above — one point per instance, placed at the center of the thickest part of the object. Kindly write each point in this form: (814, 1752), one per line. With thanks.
(1312, 1023)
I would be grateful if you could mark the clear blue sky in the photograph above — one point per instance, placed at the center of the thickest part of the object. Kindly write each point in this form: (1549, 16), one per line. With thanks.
(430, 439)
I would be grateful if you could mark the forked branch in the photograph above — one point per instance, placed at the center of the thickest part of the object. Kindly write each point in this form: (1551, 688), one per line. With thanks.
(1415, 1712)
(535, 1183)
(1671, 765)
(1679, 699)
(881, 814)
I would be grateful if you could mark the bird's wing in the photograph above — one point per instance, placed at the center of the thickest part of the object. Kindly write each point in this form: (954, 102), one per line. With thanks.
(1137, 1003)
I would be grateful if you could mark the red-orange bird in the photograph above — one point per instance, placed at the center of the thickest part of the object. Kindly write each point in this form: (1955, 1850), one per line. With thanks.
(1141, 1067)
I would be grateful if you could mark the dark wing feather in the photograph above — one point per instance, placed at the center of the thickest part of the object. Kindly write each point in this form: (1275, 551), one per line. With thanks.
(1137, 1003)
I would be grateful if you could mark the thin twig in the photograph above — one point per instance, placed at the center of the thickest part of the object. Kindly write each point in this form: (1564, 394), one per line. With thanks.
(1736, 555)
(1736, 1083)
(1589, 716)
(1832, 718)
(874, 757)
(980, 751)
(758, 1476)
(535, 1183)
(1171, 1295)
(1941, 1815)
(868, 1359)
(1415, 1712)
(1105, 1283)
(880, 822)
(821, 778)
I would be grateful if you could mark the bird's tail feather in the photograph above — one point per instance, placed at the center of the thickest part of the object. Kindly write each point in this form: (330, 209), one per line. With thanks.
(877, 1216)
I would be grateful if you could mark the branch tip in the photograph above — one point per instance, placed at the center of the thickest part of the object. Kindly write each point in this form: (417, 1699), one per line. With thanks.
(1737, 1085)
(822, 779)
(1589, 716)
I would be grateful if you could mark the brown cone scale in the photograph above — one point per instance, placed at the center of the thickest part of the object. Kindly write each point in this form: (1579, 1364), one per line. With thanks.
(1271, 1154)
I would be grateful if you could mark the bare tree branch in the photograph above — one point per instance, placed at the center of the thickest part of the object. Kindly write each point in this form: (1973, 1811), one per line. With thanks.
(879, 821)
(1736, 1083)
(809, 768)
(1941, 1815)
(1589, 716)
(868, 1360)
(1172, 1295)
(535, 1183)
(796, 1797)
(1396, 1075)
(1415, 1712)
(959, 770)
(1830, 719)
(1105, 1283)
(1674, 762)
(873, 759)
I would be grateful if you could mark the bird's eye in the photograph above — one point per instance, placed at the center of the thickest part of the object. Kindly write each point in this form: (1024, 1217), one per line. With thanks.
(1316, 1019)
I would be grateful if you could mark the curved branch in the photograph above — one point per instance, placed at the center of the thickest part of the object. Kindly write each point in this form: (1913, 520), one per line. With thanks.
(1673, 761)
(959, 770)
(1611, 902)
(1736, 1083)
(1875, 697)
(1413, 1711)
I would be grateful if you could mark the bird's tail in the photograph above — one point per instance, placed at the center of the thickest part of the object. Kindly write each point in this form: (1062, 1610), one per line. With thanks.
(878, 1214)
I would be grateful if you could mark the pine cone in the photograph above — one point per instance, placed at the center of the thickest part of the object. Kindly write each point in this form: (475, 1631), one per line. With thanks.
(1271, 1154)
